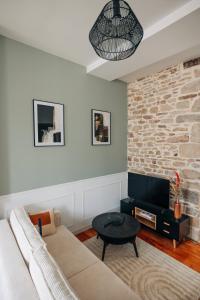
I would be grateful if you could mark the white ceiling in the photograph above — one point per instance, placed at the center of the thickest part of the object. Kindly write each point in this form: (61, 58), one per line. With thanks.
(61, 27)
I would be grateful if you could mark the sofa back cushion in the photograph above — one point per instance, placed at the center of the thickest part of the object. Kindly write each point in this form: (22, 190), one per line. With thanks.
(48, 278)
(27, 237)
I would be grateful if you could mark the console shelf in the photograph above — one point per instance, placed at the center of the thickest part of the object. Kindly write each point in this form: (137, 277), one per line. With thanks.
(145, 217)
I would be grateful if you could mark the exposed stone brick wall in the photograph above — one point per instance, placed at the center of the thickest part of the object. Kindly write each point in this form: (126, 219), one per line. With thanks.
(164, 131)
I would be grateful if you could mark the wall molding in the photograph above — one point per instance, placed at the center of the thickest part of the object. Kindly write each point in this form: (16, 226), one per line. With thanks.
(79, 201)
(84, 199)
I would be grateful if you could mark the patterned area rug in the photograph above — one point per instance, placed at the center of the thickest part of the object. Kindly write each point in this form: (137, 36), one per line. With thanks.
(154, 275)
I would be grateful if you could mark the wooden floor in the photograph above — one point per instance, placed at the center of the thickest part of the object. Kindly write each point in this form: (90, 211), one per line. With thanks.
(187, 252)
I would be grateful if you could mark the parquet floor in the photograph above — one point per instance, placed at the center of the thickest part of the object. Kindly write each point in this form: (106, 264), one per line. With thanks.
(187, 252)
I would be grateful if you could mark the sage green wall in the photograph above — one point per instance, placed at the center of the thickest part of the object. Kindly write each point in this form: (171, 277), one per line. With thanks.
(27, 73)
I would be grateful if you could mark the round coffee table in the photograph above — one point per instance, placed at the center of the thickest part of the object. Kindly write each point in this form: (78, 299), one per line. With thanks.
(117, 229)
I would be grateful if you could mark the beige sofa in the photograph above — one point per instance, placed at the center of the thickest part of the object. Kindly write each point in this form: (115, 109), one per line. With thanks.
(58, 266)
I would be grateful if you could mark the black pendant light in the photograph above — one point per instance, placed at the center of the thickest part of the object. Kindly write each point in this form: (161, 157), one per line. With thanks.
(117, 32)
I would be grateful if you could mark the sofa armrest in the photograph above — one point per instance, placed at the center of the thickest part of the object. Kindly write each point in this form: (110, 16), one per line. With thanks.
(15, 279)
(57, 218)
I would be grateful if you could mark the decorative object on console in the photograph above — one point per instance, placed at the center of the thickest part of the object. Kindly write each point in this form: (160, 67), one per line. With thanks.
(117, 32)
(48, 123)
(101, 127)
(46, 220)
(176, 191)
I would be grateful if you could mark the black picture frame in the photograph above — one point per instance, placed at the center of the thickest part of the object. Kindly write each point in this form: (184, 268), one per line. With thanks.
(48, 123)
(101, 134)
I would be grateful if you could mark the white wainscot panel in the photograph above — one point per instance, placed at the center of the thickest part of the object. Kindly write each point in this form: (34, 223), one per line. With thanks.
(78, 201)
(64, 204)
(101, 199)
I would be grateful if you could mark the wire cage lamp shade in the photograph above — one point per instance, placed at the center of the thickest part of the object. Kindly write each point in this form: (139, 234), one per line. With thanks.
(117, 32)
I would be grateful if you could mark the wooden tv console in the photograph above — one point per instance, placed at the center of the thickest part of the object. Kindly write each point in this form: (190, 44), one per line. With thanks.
(162, 222)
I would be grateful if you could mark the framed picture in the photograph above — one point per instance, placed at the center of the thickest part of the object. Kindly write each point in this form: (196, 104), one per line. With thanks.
(101, 127)
(48, 123)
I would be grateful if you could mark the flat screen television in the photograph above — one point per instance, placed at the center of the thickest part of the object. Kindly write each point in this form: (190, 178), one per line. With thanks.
(149, 189)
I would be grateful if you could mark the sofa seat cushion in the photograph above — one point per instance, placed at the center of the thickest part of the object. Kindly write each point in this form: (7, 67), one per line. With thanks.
(15, 280)
(99, 282)
(70, 254)
(27, 237)
(48, 278)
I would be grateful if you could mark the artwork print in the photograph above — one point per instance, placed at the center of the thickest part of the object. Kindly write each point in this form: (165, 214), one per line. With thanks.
(101, 127)
(48, 123)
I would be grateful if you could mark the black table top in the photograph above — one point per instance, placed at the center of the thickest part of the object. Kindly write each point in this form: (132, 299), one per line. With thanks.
(116, 225)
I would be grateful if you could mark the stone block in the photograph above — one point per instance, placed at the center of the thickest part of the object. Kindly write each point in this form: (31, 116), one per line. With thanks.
(183, 105)
(194, 233)
(178, 139)
(188, 118)
(191, 150)
(163, 76)
(167, 121)
(192, 185)
(165, 108)
(148, 117)
(154, 109)
(165, 97)
(191, 96)
(180, 129)
(195, 134)
(138, 98)
(195, 221)
(197, 73)
(190, 196)
(178, 164)
(191, 87)
(196, 106)
(192, 211)
(190, 174)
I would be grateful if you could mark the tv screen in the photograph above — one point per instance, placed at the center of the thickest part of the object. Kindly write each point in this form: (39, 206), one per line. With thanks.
(149, 189)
